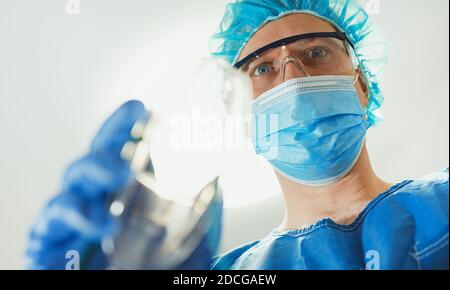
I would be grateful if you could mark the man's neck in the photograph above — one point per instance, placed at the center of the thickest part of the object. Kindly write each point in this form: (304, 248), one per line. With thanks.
(341, 201)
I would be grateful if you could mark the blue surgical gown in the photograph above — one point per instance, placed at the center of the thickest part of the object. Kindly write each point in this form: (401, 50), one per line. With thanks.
(405, 227)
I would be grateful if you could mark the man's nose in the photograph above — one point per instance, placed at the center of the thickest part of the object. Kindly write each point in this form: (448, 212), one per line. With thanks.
(292, 68)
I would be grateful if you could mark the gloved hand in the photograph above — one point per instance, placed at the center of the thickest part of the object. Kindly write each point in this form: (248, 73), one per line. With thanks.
(77, 219)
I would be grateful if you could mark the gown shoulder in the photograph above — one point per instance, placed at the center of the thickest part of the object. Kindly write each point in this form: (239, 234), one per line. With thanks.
(408, 225)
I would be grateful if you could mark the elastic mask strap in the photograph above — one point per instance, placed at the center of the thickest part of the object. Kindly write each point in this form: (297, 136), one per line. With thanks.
(356, 77)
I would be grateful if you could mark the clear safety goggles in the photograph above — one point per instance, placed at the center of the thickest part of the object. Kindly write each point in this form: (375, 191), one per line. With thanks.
(312, 54)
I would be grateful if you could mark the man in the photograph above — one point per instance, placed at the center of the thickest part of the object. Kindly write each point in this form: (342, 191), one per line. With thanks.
(315, 66)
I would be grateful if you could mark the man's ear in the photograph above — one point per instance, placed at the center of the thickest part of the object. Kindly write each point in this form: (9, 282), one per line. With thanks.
(364, 88)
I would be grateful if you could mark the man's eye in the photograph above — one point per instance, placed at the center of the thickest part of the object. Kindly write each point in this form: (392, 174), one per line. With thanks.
(261, 69)
(317, 53)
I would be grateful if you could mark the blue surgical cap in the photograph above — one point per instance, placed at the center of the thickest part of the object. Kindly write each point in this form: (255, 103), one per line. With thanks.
(244, 18)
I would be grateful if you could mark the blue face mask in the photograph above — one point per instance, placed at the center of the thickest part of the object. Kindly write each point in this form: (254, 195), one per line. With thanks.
(310, 129)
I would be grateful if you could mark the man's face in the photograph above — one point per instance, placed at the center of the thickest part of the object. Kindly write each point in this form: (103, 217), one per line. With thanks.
(291, 25)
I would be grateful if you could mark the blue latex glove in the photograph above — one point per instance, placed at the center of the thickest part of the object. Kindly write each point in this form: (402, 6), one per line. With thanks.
(77, 219)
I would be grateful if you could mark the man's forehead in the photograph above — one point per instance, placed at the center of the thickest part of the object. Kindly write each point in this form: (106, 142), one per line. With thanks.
(293, 24)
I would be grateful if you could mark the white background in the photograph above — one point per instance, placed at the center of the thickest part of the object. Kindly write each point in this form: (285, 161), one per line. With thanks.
(61, 75)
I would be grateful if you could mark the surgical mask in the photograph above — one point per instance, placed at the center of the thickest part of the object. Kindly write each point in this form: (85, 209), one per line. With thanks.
(311, 129)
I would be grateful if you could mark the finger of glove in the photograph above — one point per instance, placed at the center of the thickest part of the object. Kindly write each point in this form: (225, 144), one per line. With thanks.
(116, 131)
(96, 176)
(68, 214)
(62, 256)
(68, 222)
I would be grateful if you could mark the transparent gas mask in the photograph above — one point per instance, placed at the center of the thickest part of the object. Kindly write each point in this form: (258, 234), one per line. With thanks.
(158, 230)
